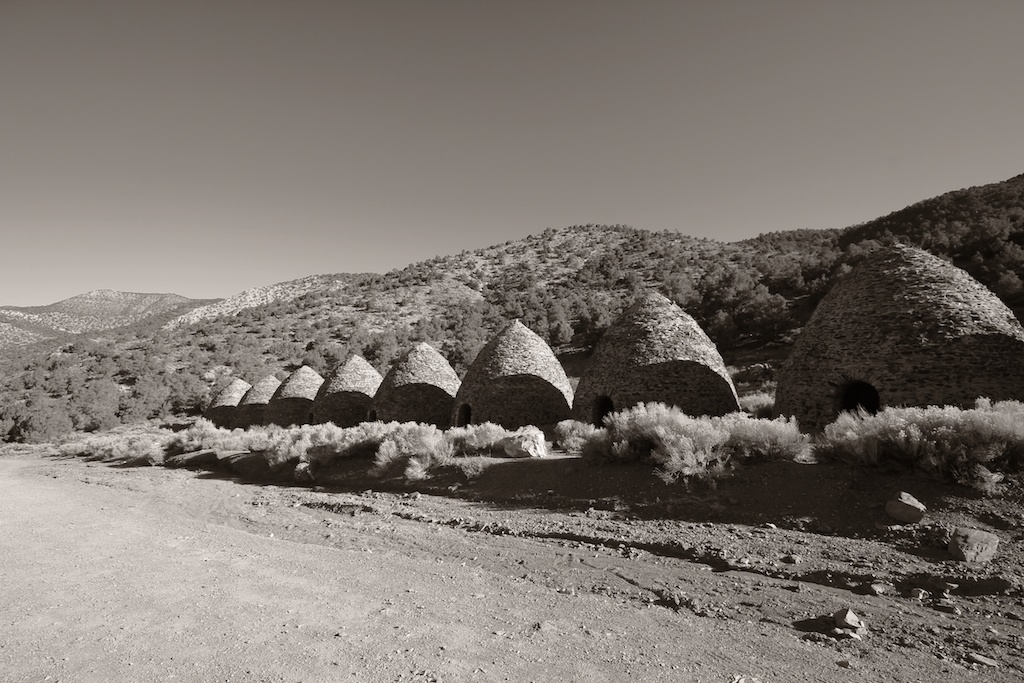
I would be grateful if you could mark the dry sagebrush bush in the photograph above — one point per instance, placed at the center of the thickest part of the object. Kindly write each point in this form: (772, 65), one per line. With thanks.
(970, 446)
(314, 443)
(476, 439)
(571, 435)
(760, 404)
(683, 446)
(418, 447)
(131, 445)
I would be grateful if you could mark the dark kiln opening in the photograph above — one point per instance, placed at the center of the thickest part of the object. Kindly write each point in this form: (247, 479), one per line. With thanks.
(859, 395)
(602, 406)
(464, 416)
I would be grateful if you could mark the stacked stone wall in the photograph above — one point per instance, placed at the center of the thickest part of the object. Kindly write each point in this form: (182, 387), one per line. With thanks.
(419, 387)
(426, 403)
(655, 352)
(515, 402)
(343, 408)
(693, 387)
(252, 408)
(225, 404)
(346, 396)
(515, 381)
(289, 412)
(917, 329)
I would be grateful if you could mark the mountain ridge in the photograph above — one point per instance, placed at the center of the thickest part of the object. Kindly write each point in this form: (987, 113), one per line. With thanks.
(93, 311)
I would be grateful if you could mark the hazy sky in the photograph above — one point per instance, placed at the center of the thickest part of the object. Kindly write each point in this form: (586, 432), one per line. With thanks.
(203, 147)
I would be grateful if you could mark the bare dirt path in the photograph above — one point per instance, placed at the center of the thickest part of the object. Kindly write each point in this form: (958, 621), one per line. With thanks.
(131, 574)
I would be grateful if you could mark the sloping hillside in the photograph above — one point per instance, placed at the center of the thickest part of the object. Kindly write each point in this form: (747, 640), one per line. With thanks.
(428, 287)
(250, 298)
(12, 335)
(567, 285)
(980, 229)
(94, 311)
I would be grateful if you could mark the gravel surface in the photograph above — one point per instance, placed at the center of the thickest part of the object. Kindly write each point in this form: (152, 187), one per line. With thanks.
(126, 574)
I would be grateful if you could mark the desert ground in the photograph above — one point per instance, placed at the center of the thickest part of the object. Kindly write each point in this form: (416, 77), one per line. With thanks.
(532, 570)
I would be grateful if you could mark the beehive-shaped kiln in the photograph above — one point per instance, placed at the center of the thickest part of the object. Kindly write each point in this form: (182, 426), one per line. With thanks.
(224, 405)
(293, 400)
(514, 381)
(252, 408)
(654, 352)
(904, 328)
(419, 387)
(346, 395)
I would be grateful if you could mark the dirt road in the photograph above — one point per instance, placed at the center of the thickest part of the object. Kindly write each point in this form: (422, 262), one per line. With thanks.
(135, 574)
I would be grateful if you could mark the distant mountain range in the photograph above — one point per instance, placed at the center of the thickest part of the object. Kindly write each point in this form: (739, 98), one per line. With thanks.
(95, 311)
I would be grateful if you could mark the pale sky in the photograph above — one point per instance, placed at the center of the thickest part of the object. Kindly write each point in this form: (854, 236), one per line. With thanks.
(203, 147)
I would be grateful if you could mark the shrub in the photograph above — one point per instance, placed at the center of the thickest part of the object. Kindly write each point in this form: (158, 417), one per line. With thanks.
(752, 439)
(571, 435)
(760, 404)
(419, 447)
(203, 434)
(129, 445)
(965, 445)
(417, 464)
(685, 446)
(40, 419)
(597, 447)
(476, 439)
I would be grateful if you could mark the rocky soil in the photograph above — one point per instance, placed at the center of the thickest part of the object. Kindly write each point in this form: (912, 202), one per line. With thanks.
(535, 570)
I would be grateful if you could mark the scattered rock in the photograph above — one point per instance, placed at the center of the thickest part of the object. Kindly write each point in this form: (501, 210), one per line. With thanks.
(205, 459)
(254, 466)
(877, 588)
(973, 545)
(946, 606)
(792, 559)
(840, 625)
(847, 619)
(905, 508)
(917, 594)
(981, 659)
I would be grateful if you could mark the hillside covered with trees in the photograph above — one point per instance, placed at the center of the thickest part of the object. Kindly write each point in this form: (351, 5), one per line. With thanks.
(567, 284)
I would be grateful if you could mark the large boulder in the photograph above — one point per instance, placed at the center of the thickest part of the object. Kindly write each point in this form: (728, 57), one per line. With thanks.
(526, 442)
(905, 508)
(973, 545)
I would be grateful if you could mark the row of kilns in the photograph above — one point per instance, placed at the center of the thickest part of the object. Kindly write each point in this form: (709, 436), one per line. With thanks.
(904, 328)
(654, 352)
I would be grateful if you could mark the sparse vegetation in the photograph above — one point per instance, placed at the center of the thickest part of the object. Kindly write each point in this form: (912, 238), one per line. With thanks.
(476, 439)
(571, 435)
(682, 446)
(760, 404)
(407, 447)
(973, 446)
(567, 284)
(132, 445)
